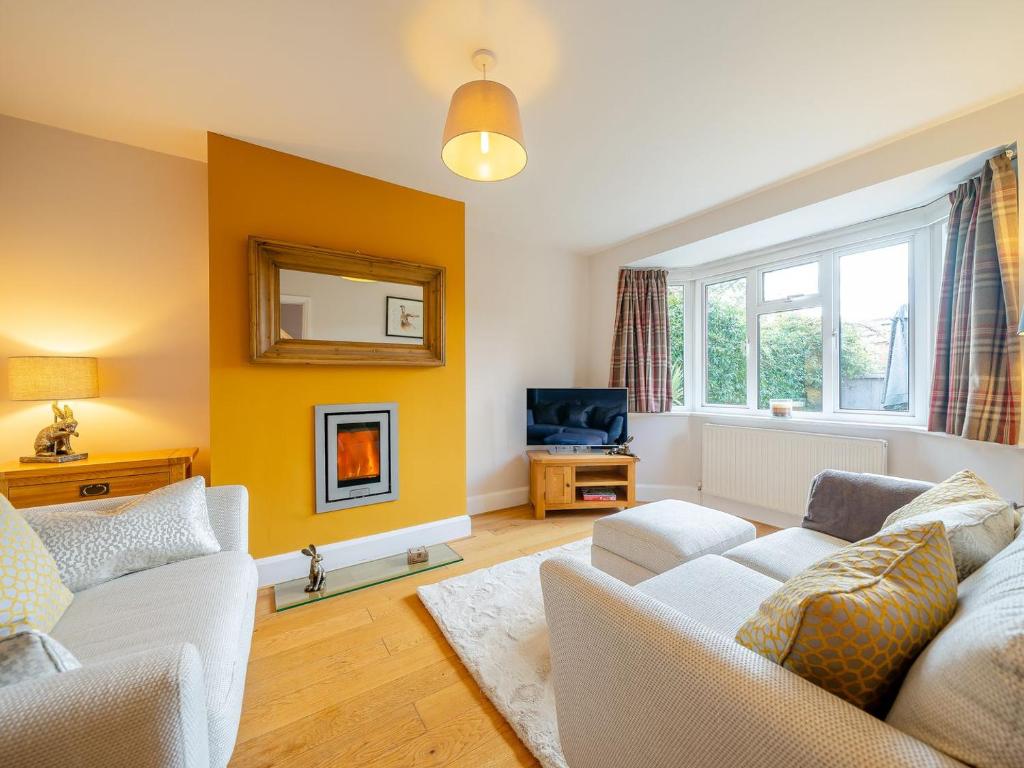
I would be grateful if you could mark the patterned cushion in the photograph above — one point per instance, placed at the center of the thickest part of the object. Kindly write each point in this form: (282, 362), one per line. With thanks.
(979, 523)
(854, 622)
(31, 593)
(91, 547)
(29, 654)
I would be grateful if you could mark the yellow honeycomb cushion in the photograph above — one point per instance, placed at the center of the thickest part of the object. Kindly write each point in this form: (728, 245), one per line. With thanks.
(32, 595)
(854, 622)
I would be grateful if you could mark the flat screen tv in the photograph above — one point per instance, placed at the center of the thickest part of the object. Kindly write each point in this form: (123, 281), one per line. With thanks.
(576, 416)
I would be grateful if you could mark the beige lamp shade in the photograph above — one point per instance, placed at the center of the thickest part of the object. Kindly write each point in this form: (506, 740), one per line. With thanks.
(52, 378)
(483, 136)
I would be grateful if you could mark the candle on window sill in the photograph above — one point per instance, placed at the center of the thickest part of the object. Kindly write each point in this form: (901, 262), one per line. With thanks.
(781, 409)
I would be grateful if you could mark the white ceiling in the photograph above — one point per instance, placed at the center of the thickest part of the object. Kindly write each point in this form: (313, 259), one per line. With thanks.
(902, 193)
(636, 114)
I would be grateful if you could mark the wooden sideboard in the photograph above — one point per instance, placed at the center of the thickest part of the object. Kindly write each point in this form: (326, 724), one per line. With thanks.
(121, 474)
(557, 480)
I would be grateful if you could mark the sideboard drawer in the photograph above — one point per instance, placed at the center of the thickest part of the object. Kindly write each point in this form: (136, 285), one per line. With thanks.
(88, 487)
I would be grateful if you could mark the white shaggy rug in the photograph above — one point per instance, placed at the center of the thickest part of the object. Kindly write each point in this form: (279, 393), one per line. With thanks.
(494, 619)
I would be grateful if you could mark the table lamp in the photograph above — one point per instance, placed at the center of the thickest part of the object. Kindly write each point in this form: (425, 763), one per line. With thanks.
(54, 378)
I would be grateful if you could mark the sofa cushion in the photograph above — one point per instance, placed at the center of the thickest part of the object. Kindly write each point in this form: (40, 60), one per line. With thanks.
(32, 595)
(206, 601)
(542, 430)
(965, 693)
(854, 622)
(853, 505)
(548, 413)
(667, 533)
(603, 415)
(577, 415)
(719, 593)
(979, 523)
(590, 436)
(160, 527)
(30, 654)
(784, 554)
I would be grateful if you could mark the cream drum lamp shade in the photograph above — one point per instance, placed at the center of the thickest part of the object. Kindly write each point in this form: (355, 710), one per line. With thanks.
(483, 136)
(52, 378)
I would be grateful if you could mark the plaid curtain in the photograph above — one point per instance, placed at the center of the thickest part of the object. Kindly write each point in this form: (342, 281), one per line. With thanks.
(640, 344)
(976, 385)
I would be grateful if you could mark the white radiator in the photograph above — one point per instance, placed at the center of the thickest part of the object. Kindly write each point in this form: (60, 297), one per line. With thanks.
(773, 468)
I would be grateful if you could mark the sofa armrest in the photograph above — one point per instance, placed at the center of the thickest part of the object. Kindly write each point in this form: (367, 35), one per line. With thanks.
(229, 515)
(640, 685)
(146, 709)
(853, 505)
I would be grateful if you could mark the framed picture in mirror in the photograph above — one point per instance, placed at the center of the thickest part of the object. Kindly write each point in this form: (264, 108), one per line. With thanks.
(317, 306)
(404, 318)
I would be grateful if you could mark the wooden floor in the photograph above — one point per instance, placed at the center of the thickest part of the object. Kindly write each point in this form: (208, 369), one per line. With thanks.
(367, 678)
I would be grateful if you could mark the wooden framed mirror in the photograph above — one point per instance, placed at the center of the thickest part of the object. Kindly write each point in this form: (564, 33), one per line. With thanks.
(316, 306)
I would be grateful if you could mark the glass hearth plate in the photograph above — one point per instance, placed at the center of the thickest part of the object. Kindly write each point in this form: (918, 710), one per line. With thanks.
(341, 581)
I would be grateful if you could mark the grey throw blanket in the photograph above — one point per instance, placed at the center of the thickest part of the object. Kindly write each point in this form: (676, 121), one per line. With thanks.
(853, 505)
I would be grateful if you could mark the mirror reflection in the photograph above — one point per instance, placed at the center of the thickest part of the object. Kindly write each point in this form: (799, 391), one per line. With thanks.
(326, 307)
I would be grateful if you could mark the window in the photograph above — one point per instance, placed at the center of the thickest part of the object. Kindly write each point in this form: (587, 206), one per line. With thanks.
(676, 341)
(874, 329)
(789, 337)
(789, 282)
(725, 356)
(832, 329)
(789, 358)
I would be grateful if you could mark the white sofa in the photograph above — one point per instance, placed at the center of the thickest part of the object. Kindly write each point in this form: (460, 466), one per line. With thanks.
(650, 676)
(164, 655)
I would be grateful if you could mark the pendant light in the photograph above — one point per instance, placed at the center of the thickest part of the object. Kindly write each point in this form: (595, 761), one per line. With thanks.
(483, 136)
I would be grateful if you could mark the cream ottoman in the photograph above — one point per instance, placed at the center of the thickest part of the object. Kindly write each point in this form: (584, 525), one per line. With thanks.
(639, 543)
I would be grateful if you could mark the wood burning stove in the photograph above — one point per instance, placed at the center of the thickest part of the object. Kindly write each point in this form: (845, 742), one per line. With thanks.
(356, 455)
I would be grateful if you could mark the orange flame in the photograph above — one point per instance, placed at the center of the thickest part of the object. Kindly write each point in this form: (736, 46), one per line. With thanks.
(358, 454)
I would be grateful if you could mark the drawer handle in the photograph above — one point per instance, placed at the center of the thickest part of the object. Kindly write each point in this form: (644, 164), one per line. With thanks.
(94, 489)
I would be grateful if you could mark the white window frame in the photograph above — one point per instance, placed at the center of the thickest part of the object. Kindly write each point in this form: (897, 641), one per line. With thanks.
(702, 309)
(687, 291)
(913, 267)
(762, 307)
(921, 228)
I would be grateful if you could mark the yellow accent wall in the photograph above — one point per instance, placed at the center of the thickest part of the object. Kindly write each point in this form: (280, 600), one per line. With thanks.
(261, 416)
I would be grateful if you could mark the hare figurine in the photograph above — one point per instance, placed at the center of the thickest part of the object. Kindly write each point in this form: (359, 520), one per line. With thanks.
(317, 575)
(55, 440)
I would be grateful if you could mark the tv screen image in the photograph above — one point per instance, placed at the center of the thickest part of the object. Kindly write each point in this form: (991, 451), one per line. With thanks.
(576, 416)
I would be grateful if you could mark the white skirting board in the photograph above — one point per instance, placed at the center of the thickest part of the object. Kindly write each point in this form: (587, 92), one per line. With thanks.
(488, 502)
(646, 492)
(294, 565)
(652, 492)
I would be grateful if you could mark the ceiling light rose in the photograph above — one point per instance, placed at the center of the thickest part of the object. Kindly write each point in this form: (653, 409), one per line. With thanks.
(483, 136)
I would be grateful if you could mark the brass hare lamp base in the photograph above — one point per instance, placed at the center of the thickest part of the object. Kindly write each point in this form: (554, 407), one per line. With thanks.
(53, 443)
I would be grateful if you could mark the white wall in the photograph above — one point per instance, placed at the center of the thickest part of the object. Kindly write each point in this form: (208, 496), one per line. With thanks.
(343, 310)
(525, 320)
(670, 444)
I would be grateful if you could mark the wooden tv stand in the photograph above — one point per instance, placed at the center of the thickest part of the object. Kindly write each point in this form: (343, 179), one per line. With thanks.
(557, 480)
